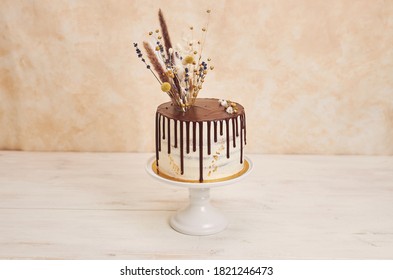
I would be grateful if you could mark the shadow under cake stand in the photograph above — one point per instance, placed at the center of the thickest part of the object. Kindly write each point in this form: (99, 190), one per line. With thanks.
(199, 217)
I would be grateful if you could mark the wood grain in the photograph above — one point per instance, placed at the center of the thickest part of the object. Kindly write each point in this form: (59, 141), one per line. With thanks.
(105, 206)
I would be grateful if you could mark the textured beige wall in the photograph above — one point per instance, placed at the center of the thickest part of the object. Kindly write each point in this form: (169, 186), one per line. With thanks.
(315, 76)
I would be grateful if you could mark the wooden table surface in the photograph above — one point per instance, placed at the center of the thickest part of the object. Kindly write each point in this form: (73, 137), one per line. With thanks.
(105, 206)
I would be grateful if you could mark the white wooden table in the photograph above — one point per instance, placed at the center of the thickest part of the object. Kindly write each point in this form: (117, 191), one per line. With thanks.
(105, 206)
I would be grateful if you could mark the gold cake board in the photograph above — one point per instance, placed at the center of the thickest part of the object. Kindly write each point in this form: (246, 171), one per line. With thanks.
(234, 176)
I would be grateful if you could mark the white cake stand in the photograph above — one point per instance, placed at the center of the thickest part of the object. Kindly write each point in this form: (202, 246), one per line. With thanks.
(199, 217)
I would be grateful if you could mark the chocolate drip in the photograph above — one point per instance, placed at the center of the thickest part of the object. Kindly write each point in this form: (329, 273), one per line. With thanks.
(215, 131)
(200, 151)
(159, 133)
(227, 128)
(204, 110)
(157, 139)
(169, 136)
(194, 136)
(208, 138)
(175, 124)
(163, 127)
(244, 127)
(233, 132)
(188, 137)
(181, 148)
(237, 127)
(241, 139)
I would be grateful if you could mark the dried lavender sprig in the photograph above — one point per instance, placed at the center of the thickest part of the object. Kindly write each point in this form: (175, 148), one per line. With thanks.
(140, 55)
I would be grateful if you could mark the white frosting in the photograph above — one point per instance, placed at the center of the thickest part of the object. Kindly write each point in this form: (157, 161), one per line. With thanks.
(215, 166)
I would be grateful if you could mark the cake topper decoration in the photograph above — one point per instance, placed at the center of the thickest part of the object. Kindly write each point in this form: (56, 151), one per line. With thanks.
(180, 70)
(230, 107)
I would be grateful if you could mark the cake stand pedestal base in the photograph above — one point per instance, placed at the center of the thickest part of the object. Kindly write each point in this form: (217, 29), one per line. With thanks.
(199, 217)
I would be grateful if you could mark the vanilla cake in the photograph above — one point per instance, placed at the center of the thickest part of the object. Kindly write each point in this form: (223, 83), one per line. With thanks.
(204, 144)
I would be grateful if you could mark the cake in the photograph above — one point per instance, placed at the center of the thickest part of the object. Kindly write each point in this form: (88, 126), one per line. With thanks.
(204, 144)
(197, 139)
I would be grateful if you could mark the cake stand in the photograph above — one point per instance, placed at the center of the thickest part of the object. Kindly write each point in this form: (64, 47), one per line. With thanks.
(199, 217)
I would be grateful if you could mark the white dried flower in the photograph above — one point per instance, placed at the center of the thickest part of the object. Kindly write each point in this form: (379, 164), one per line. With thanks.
(229, 110)
(223, 103)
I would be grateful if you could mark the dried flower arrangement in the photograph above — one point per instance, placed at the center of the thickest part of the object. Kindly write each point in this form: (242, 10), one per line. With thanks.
(180, 70)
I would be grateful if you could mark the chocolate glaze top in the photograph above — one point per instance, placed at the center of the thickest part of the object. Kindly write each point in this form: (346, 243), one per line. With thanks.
(204, 109)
